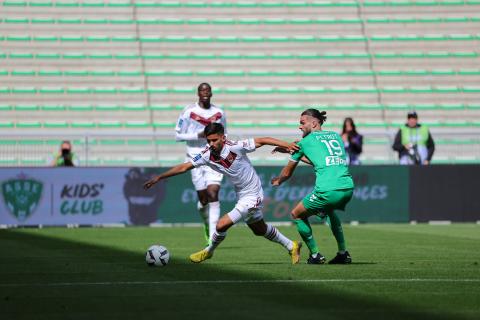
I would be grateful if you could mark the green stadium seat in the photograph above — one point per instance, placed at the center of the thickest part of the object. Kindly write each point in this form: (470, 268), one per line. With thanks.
(142, 161)
(109, 124)
(49, 73)
(55, 124)
(111, 142)
(117, 161)
(163, 124)
(50, 90)
(56, 142)
(82, 124)
(124, 39)
(6, 124)
(141, 142)
(137, 124)
(78, 90)
(161, 107)
(17, 55)
(165, 142)
(30, 142)
(106, 107)
(97, 21)
(18, 38)
(471, 89)
(80, 108)
(23, 90)
(22, 73)
(241, 124)
(182, 21)
(27, 107)
(33, 161)
(8, 161)
(134, 107)
(53, 108)
(28, 124)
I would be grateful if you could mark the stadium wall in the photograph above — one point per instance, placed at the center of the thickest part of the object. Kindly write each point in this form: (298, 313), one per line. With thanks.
(94, 196)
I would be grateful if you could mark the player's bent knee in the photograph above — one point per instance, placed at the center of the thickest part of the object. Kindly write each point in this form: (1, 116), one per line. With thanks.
(221, 227)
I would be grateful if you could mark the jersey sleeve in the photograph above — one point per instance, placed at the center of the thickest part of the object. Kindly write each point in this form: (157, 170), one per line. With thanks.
(181, 133)
(245, 146)
(296, 156)
(199, 160)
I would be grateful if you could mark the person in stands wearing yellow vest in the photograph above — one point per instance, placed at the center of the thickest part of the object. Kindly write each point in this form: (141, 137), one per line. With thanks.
(413, 142)
(65, 157)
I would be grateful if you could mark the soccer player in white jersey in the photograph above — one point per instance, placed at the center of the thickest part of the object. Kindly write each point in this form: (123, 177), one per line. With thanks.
(230, 158)
(190, 126)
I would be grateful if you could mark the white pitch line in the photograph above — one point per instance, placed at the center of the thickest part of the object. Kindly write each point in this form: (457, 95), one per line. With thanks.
(177, 282)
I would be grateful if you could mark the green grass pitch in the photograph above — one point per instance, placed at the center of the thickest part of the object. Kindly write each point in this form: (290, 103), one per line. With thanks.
(399, 272)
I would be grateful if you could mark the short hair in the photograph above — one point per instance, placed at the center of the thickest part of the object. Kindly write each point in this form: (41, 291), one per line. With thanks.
(213, 128)
(204, 84)
(412, 114)
(320, 115)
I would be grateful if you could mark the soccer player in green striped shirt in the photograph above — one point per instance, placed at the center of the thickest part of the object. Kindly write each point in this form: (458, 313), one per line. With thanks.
(325, 151)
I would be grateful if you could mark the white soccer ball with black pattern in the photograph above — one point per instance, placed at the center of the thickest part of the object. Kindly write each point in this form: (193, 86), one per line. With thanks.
(157, 256)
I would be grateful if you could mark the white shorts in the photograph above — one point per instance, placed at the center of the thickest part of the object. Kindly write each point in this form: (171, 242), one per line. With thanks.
(248, 208)
(204, 176)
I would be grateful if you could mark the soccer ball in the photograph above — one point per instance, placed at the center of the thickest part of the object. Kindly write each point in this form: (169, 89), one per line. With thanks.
(157, 256)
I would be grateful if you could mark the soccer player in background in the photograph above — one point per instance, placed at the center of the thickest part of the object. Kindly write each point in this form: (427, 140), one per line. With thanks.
(190, 126)
(230, 158)
(333, 186)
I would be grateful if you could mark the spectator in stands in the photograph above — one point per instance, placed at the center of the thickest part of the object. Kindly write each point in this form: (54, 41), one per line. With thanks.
(352, 140)
(413, 142)
(65, 157)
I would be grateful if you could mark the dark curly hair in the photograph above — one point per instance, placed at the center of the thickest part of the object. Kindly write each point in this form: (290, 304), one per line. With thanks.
(320, 115)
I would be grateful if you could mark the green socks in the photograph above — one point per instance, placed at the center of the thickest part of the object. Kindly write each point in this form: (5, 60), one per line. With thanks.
(305, 230)
(337, 230)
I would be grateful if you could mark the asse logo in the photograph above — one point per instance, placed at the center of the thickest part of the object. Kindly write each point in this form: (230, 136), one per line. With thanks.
(21, 196)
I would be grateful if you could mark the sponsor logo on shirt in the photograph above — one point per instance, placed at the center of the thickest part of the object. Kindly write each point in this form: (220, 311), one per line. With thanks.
(334, 161)
(197, 157)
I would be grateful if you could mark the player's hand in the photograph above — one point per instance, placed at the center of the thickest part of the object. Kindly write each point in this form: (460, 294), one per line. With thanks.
(276, 181)
(147, 185)
(293, 147)
(280, 150)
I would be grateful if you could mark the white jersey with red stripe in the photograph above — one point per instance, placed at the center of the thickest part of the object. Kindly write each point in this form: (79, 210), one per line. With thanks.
(192, 121)
(234, 163)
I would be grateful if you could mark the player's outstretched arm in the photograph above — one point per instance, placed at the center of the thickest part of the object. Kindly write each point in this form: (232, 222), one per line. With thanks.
(291, 147)
(179, 169)
(286, 173)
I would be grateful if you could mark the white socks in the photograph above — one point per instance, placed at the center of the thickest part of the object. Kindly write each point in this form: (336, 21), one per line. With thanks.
(216, 239)
(210, 214)
(274, 235)
(214, 215)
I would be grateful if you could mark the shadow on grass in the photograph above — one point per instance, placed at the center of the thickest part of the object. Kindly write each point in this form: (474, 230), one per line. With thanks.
(52, 278)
